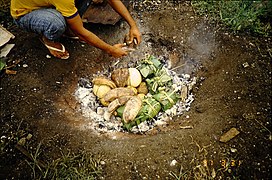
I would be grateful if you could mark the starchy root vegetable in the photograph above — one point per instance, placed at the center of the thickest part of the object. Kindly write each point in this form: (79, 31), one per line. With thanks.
(150, 108)
(133, 89)
(103, 102)
(120, 77)
(126, 77)
(142, 89)
(135, 77)
(100, 90)
(132, 108)
(103, 81)
(118, 92)
(117, 103)
(124, 99)
(141, 96)
(113, 106)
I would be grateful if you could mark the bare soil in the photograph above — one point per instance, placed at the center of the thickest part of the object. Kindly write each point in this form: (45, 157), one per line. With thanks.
(233, 90)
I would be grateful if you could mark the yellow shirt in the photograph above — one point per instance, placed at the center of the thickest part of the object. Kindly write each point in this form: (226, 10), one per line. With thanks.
(21, 7)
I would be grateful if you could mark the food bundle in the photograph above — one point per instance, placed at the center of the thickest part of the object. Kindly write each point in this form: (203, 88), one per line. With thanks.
(137, 94)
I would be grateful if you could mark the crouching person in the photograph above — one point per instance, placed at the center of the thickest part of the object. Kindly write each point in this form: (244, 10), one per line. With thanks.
(52, 18)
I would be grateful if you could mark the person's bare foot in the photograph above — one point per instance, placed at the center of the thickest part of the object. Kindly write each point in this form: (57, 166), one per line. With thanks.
(55, 48)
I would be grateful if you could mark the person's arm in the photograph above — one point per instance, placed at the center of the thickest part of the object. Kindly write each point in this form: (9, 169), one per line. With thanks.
(121, 9)
(76, 25)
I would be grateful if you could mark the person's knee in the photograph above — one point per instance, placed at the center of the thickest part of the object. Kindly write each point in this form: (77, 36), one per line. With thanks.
(47, 22)
(55, 28)
(56, 24)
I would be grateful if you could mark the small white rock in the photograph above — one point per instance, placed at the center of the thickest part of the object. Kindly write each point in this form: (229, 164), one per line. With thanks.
(107, 116)
(160, 123)
(25, 65)
(143, 127)
(100, 111)
(245, 64)
(48, 56)
(173, 162)
(233, 150)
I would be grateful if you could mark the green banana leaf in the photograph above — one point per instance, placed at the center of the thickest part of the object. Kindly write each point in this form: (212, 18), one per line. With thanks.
(149, 110)
(149, 66)
(161, 79)
(120, 111)
(159, 84)
(167, 99)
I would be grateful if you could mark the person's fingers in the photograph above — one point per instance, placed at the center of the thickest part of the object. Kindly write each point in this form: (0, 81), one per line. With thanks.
(138, 37)
(120, 45)
(131, 38)
(119, 50)
(135, 38)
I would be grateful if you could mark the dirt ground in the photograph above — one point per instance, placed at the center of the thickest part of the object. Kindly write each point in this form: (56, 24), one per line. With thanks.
(233, 91)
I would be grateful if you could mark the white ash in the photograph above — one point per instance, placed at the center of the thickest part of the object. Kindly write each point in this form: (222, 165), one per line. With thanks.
(103, 122)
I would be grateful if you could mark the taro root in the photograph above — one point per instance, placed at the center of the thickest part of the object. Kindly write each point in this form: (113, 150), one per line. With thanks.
(142, 89)
(117, 103)
(103, 102)
(133, 89)
(142, 96)
(120, 77)
(100, 90)
(103, 81)
(135, 77)
(118, 92)
(132, 108)
(126, 77)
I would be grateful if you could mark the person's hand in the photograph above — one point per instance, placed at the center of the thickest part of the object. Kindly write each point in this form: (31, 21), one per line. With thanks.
(134, 33)
(117, 50)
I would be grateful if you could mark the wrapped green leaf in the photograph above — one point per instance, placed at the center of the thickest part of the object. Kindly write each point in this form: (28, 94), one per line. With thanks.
(156, 62)
(161, 79)
(149, 66)
(167, 99)
(149, 110)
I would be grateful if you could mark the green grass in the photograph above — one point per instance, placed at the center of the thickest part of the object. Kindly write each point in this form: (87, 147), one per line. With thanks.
(181, 175)
(69, 166)
(247, 16)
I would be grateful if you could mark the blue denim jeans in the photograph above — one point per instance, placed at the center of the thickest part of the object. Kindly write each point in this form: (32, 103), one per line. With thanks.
(46, 21)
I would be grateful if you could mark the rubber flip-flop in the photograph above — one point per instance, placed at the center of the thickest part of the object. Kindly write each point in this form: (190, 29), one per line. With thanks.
(62, 50)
